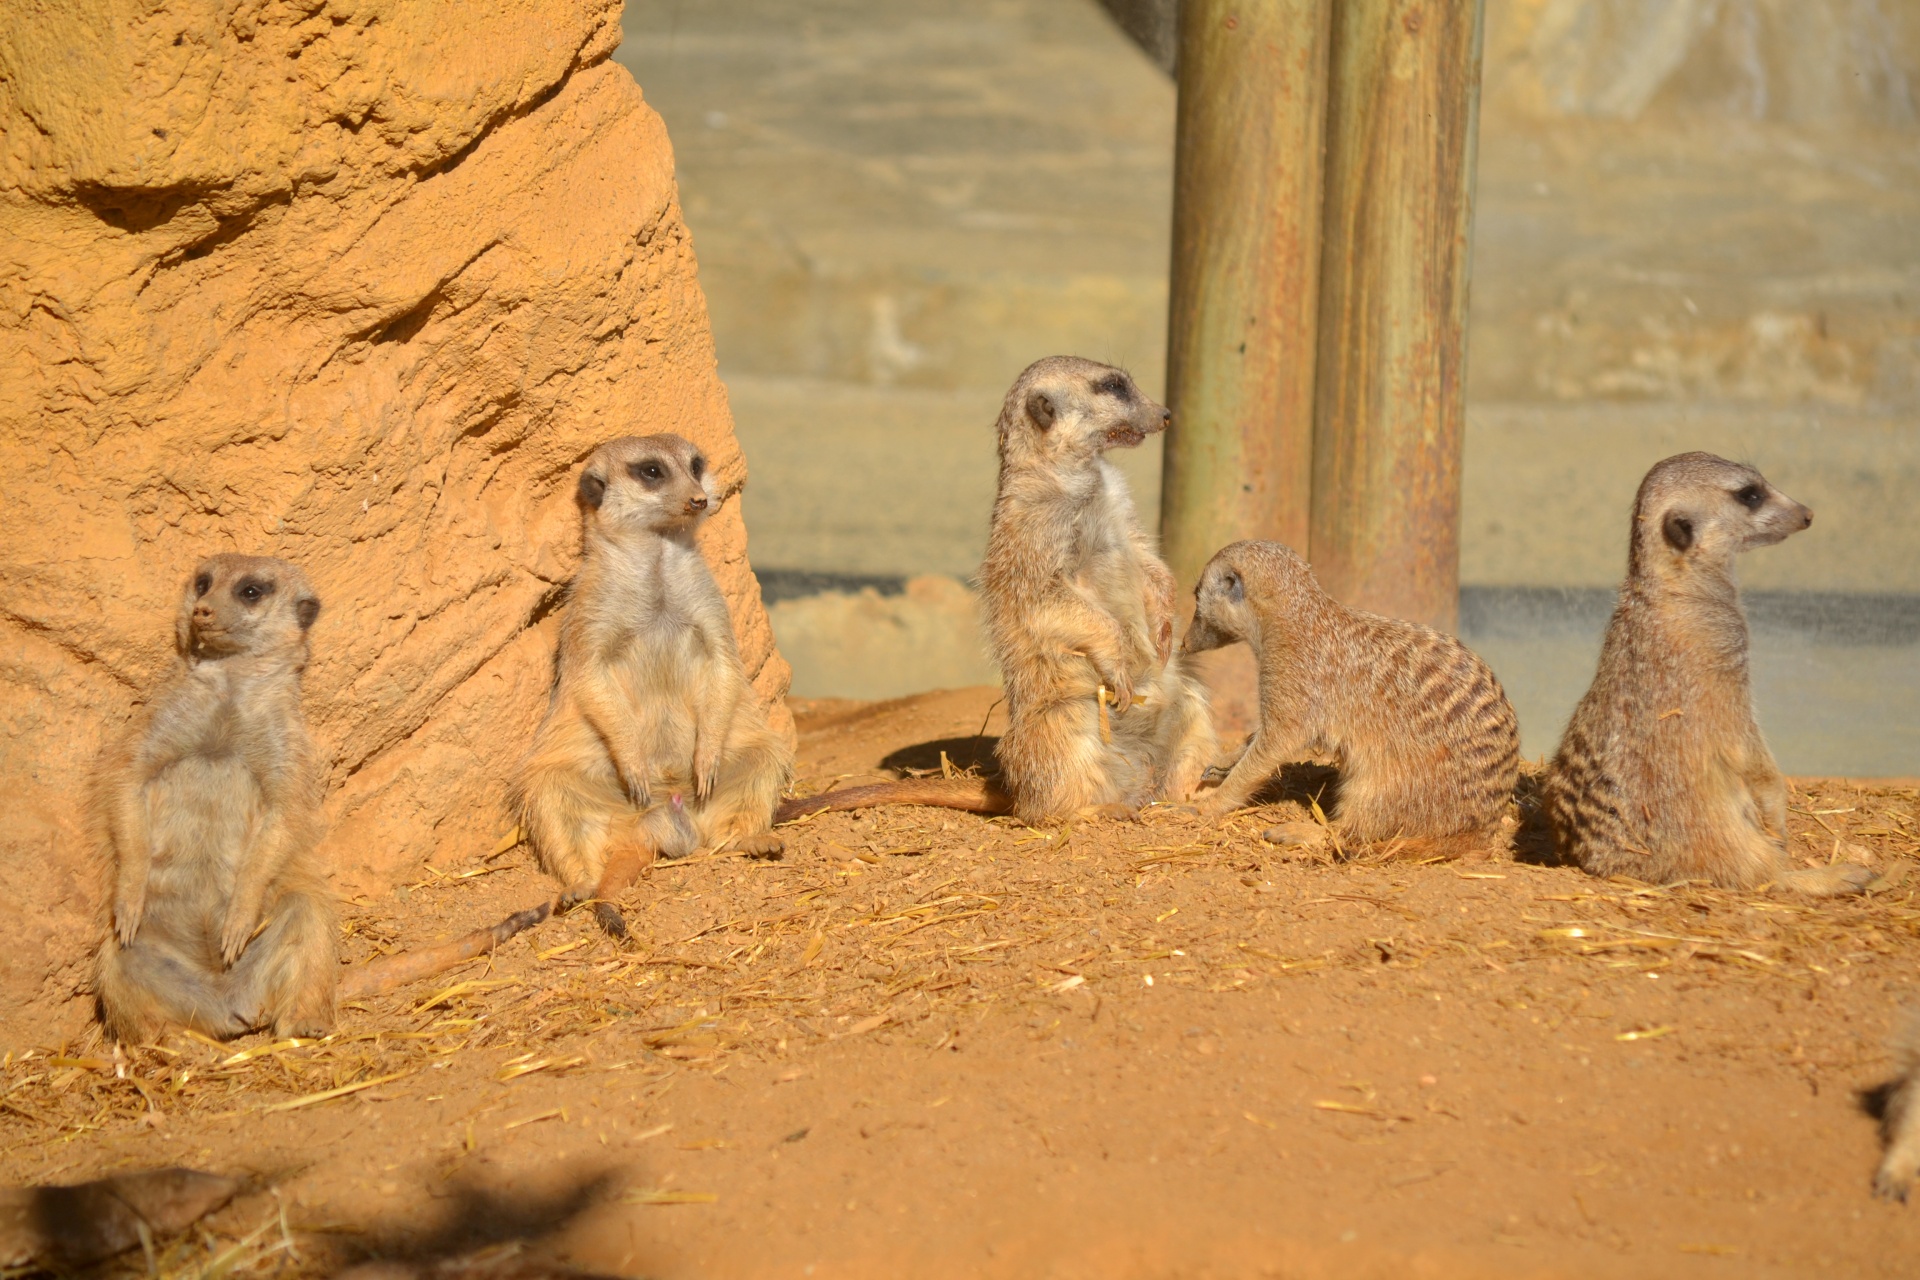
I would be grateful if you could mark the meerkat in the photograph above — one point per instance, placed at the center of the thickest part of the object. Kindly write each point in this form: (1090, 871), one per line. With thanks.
(1662, 773)
(1900, 1122)
(1101, 714)
(653, 744)
(208, 812)
(1425, 740)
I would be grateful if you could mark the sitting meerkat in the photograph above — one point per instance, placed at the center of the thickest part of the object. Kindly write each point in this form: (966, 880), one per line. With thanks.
(1662, 773)
(1101, 713)
(1900, 1123)
(206, 814)
(1425, 740)
(653, 743)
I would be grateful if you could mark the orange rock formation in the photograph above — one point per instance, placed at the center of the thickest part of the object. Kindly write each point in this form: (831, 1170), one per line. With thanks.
(353, 282)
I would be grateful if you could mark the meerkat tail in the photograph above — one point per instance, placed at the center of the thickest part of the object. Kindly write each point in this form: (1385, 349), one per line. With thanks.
(625, 861)
(388, 972)
(974, 795)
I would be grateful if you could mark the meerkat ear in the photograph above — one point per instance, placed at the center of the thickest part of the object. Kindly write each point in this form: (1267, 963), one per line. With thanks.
(1040, 409)
(306, 609)
(1678, 531)
(1236, 590)
(593, 488)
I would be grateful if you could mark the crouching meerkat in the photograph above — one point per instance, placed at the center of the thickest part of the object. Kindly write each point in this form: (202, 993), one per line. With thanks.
(1424, 738)
(1079, 614)
(206, 814)
(1900, 1122)
(1663, 774)
(653, 744)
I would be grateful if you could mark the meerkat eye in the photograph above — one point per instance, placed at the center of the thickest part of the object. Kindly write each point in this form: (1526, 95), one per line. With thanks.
(203, 584)
(1117, 386)
(1751, 497)
(252, 590)
(649, 472)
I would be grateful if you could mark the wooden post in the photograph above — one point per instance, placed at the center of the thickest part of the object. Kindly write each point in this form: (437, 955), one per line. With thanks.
(1403, 86)
(1246, 265)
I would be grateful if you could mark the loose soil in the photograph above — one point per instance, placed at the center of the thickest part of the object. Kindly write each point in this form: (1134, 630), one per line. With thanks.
(925, 1043)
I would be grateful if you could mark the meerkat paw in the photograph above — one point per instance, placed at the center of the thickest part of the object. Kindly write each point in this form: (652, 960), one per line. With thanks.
(1833, 881)
(1215, 773)
(1111, 812)
(575, 894)
(128, 911)
(234, 937)
(1295, 835)
(1894, 1178)
(764, 845)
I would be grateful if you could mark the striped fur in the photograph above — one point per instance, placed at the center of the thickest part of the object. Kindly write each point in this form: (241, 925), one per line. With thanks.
(1426, 742)
(1663, 773)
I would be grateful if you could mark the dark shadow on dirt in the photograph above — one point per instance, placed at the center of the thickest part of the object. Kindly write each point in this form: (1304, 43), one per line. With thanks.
(922, 759)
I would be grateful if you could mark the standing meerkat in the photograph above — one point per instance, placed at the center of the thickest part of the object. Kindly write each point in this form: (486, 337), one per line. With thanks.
(1663, 774)
(1079, 614)
(654, 743)
(1900, 1122)
(1425, 740)
(208, 811)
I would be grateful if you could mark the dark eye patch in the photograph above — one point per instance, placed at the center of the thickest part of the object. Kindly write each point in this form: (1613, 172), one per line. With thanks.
(1751, 497)
(648, 471)
(1117, 385)
(203, 584)
(252, 590)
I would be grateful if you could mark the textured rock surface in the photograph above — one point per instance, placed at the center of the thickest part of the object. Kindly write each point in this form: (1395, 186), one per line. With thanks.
(354, 282)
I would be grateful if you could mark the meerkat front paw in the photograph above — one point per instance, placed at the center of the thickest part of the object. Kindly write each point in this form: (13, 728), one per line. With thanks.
(236, 934)
(706, 772)
(128, 910)
(764, 845)
(639, 794)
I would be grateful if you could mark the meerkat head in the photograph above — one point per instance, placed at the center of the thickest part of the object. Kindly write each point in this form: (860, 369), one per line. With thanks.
(245, 605)
(1696, 510)
(1244, 584)
(655, 484)
(1064, 410)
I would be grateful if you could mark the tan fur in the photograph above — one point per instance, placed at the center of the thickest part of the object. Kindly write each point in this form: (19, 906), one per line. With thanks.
(1076, 598)
(1663, 773)
(1425, 740)
(653, 738)
(208, 812)
(1900, 1123)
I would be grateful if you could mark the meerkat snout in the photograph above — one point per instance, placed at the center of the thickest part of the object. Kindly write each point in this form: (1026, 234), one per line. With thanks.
(1073, 410)
(656, 484)
(1220, 615)
(245, 604)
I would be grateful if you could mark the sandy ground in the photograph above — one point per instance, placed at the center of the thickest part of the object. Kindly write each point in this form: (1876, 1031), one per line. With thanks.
(931, 1044)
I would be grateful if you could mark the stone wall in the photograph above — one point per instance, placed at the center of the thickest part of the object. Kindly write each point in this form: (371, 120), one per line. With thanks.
(354, 282)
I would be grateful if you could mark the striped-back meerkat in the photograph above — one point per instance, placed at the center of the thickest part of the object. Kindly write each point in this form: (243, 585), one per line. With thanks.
(1663, 773)
(1079, 611)
(1900, 1122)
(1079, 605)
(1424, 738)
(208, 812)
(654, 743)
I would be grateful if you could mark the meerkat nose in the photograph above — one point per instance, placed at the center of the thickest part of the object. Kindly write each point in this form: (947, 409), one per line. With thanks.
(1806, 517)
(696, 504)
(1166, 417)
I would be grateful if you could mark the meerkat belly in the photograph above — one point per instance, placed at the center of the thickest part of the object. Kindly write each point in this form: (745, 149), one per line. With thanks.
(200, 838)
(663, 676)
